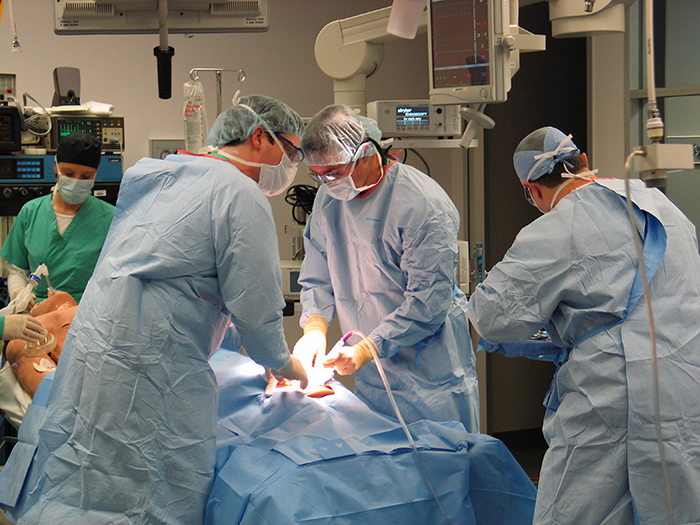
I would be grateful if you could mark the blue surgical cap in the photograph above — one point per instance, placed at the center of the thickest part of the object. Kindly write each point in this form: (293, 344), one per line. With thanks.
(334, 136)
(539, 152)
(237, 123)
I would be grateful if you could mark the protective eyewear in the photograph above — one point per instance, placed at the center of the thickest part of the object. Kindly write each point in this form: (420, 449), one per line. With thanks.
(293, 152)
(528, 197)
(334, 175)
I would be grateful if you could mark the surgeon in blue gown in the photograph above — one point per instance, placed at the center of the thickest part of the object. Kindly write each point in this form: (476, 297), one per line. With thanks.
(575, 271)
(381, 252)
(129, 435)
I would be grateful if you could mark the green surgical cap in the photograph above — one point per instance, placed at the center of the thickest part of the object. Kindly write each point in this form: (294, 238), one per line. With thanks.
(237, 123)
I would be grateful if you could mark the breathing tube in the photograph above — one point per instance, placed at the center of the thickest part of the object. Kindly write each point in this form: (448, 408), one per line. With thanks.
(380, 369)
(20, 302)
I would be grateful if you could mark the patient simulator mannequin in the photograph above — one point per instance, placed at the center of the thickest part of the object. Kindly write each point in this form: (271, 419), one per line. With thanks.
(31, 362)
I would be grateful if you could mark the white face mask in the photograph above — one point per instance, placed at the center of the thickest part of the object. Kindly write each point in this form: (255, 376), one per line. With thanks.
(344, 189)
(74, 191)
(273, 179)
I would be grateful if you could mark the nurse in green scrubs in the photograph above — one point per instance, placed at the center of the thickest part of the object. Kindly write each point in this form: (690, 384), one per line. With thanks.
(64, 230)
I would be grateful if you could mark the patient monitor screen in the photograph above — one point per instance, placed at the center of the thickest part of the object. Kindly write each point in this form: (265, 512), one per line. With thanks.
(460, 43)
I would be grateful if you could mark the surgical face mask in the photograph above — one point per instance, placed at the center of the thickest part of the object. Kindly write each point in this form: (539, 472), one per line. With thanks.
(584, 175)
(344, 189)
(74, 191)
(273, 180)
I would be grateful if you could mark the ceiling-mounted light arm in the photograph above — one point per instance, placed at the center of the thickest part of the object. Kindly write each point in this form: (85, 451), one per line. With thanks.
(194, 75)
(351, 49)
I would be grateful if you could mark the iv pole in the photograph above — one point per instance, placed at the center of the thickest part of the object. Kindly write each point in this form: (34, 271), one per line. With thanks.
(194, 75)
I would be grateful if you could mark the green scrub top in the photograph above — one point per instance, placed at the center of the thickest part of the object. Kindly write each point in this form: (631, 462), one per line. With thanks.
(70, 257)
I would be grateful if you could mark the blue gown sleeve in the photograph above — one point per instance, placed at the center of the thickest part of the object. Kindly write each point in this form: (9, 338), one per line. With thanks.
(428, 259)
(248, 268)
(571, 270)
(317, 291)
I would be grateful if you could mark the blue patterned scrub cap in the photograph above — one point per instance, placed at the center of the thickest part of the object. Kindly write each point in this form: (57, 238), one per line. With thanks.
(539, 152)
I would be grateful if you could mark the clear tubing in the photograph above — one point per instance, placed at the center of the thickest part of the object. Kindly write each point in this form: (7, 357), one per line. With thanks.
(380, 369)
(652, 336)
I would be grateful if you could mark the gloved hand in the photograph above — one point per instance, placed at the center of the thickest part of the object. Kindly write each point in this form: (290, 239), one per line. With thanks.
(347, 360)
(19, 326)
(31, 303)
(313, 342)
(291, 371)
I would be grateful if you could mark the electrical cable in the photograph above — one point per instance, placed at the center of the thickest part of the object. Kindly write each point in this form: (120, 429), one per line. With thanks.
(421, 466)
(301, 197)
(32, 124)
(425, 163)
(652, 337)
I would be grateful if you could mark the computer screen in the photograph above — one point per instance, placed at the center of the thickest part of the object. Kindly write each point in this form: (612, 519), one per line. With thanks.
(467, 62)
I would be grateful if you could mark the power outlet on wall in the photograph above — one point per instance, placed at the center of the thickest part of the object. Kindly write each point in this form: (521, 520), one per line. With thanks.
(161, 148)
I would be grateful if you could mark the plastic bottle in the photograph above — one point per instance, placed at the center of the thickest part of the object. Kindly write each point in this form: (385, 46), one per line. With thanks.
(194, 115)
(20, 302)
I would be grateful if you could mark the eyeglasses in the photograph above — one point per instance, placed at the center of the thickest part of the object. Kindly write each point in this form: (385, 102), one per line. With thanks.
(291, 150)
(333, 175)
(528, 197)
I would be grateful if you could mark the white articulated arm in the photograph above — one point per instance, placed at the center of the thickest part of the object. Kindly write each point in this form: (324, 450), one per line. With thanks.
(570, 18)
(351, 49)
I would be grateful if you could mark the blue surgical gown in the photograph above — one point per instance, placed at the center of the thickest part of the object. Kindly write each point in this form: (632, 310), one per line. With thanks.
(385, 264)
(129, 436)
(575, 270)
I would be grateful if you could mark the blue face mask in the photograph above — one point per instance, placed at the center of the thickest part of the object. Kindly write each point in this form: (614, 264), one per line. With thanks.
(74, 191)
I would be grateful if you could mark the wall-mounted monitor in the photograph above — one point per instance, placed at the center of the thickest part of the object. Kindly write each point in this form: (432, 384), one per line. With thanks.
(90, 17)
(468, 64)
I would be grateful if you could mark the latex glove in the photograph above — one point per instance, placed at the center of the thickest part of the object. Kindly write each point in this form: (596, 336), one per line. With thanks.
(19, 326)
(309, 347)
(292, 371)
(312, 343)
(347, 360)
(31, 303)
